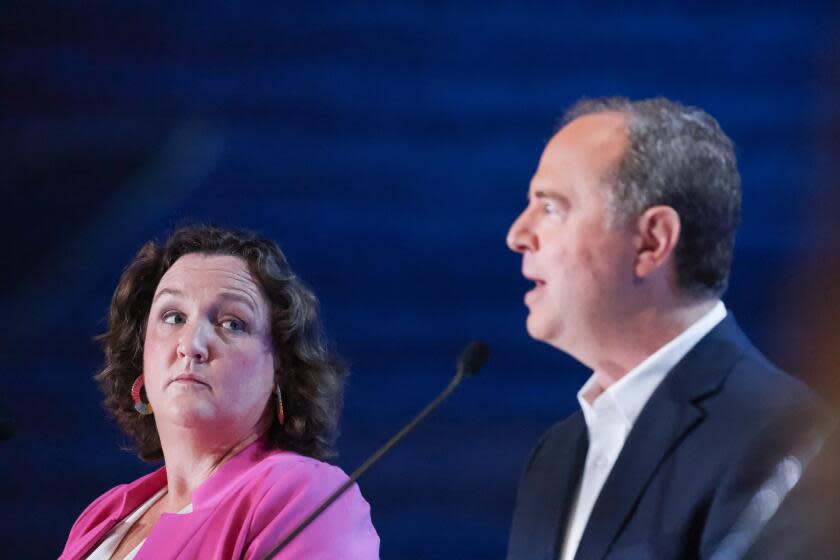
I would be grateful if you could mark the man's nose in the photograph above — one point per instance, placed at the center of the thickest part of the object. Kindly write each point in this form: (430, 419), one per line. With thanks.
(193, 342)
(520, 237)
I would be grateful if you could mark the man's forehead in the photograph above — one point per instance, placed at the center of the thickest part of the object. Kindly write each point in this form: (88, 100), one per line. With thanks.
(594, 142)
(595, 129)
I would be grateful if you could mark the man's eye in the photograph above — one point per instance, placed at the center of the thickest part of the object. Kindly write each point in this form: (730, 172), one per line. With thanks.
(233, 325)
(550, 207)
(173, 318)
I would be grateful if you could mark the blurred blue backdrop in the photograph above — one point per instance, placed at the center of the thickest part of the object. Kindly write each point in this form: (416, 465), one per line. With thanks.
(387, 147)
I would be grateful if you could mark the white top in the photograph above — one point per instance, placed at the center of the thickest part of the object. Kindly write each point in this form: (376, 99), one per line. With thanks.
(610, 417)
(107, 547)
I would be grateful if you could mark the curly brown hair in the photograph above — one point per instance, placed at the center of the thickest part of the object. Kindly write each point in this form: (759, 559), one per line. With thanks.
(310, 375)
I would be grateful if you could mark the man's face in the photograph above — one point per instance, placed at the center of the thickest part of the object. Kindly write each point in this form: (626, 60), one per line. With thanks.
(581, 267)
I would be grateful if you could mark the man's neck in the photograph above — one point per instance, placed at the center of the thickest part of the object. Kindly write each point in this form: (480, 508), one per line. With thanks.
(642, 335)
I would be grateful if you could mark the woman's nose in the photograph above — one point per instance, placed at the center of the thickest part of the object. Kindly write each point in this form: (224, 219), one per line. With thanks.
(193, 342)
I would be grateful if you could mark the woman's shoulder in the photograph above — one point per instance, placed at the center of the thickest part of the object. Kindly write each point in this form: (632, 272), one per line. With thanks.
(294, 483)
(281, 460)
(284, 487)
(286, 471)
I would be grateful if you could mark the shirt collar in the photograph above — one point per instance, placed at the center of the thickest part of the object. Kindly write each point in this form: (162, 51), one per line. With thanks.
(627, 396)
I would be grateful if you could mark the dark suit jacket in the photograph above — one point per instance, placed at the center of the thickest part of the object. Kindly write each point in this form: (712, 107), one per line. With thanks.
(710, 434)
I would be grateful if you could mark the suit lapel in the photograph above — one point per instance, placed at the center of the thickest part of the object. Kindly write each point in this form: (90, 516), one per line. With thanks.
(668, 417)
(111, 510)
(568, 474)
(547, 490)
(85, 545)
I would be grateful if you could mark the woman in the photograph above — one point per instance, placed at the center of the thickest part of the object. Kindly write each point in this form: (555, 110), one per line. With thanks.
(214, 364)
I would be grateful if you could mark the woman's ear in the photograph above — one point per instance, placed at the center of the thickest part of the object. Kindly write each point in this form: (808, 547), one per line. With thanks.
(657, 234)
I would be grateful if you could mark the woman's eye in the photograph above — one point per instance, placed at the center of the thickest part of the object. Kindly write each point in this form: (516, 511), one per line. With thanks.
(233, 325)
(173, 318)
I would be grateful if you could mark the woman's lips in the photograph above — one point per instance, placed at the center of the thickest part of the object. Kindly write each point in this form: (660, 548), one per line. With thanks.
(189, 379)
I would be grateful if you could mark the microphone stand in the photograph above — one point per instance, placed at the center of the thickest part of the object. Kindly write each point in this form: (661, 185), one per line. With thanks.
(471, 360)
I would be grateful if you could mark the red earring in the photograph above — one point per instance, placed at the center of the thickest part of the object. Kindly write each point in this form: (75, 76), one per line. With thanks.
(143, 408)
(281, 415)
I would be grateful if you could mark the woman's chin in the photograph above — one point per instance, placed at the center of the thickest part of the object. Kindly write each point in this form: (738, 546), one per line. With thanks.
(188, 414)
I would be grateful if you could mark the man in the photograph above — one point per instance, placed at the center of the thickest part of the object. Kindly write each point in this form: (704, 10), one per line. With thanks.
(628, 237)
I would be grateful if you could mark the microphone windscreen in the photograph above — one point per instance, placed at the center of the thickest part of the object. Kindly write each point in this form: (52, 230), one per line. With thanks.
(473, 357)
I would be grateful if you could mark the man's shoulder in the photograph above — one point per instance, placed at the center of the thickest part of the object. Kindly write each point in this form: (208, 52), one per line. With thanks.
(753, 412)
(725, 369)
(756, 386)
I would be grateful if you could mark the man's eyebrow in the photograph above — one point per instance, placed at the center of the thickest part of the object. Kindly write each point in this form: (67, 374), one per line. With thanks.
(550, 195)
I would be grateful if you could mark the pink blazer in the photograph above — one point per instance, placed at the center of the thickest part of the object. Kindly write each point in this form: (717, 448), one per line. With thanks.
(242, 511)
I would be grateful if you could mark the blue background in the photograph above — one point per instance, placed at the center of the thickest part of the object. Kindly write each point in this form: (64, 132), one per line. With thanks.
(387, 147)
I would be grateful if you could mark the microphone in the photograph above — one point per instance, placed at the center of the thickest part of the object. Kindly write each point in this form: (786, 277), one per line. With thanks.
(472, 357)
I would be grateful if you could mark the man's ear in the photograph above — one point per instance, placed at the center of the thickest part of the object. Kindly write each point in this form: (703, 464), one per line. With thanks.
(657, 234)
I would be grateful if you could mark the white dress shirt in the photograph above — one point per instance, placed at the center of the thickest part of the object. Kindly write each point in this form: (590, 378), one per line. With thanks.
(610, 417)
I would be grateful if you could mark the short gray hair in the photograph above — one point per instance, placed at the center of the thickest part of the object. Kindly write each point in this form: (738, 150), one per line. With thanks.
(678, 156)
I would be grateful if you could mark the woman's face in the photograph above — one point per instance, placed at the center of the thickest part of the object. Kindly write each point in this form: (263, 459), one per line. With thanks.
(208, 358)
